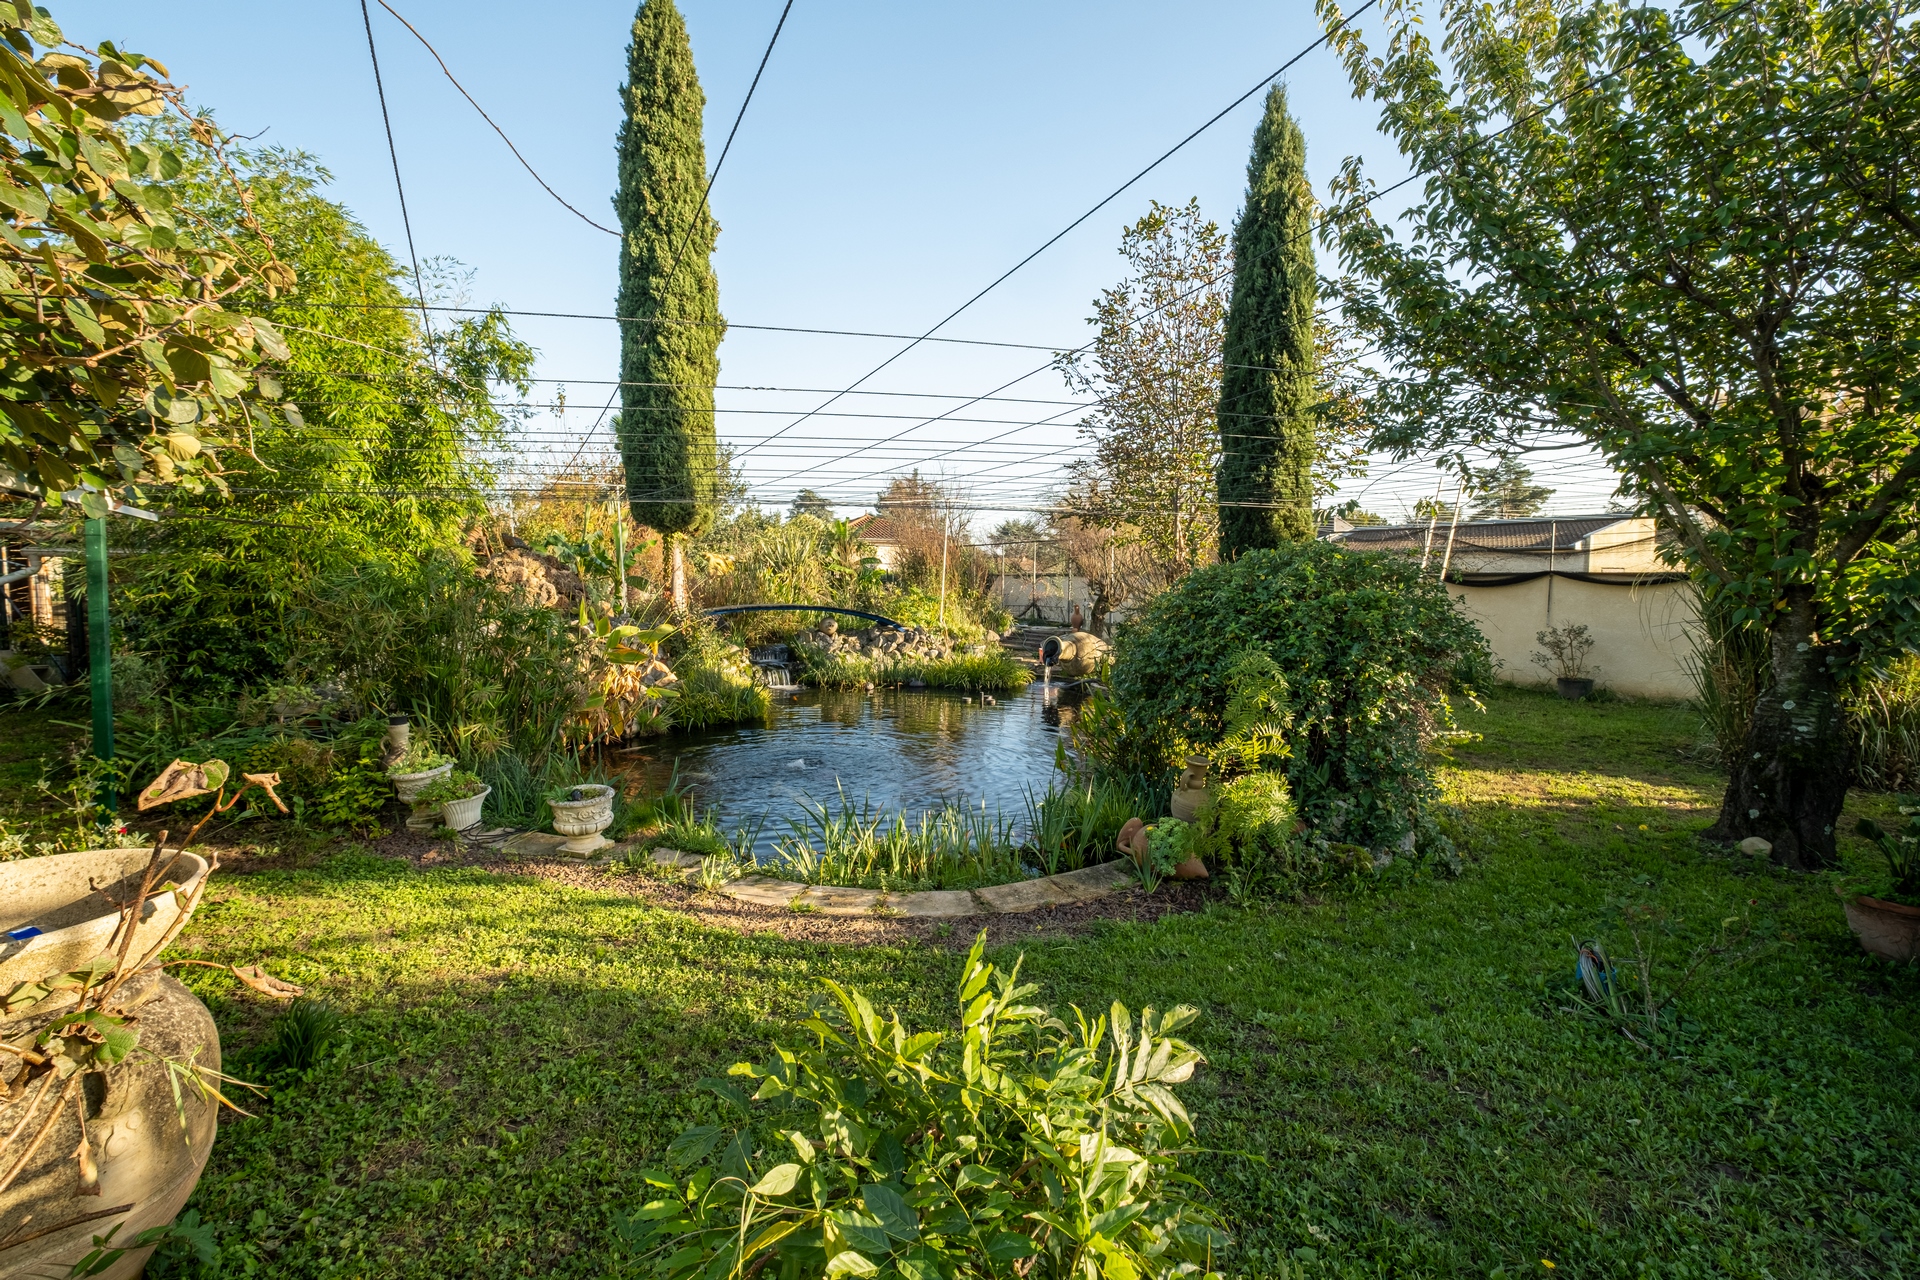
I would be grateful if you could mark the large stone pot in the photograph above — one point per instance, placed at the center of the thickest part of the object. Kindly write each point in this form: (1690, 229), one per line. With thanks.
(584, 819)
(150, 1151)
(1075, 654)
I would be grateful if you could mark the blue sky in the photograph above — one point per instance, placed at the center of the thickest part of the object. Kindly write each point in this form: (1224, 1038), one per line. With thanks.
(895, 159)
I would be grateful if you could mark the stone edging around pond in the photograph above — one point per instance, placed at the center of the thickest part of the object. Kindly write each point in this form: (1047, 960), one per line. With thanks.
(1059, 890)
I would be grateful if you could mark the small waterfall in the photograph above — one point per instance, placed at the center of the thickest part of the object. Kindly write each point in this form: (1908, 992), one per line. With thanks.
(774, 662)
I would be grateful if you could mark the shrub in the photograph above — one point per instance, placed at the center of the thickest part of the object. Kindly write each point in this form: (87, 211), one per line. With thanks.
(1885, 715)
(1076, 823)
(1368, 647)
(1020, 1145)
(716, 680)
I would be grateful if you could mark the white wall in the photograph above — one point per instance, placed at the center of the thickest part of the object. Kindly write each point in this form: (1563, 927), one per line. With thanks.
(1643, 635)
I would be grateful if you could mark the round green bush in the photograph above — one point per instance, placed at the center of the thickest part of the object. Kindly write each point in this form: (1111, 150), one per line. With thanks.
(1369, 647)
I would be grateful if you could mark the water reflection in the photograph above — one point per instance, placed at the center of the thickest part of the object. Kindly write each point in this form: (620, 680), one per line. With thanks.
(897, 750)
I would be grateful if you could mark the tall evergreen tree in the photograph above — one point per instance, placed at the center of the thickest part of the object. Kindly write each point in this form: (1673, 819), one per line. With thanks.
(1267, 385)
(670, 339)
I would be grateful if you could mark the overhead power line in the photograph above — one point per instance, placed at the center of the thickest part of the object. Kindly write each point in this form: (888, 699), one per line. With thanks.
(393, 153)
(489, 119)
(1102, 203)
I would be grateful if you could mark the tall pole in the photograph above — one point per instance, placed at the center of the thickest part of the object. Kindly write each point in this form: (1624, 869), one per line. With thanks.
(100, 651)
(943, 574)
(1459, 499)
(619, 557)
(1433, 518)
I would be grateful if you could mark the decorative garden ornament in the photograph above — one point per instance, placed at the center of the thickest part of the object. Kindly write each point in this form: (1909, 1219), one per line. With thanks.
(584, 819)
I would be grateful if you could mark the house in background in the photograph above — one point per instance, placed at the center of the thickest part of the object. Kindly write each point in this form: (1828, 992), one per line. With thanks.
(1517, 578)
(884, 534)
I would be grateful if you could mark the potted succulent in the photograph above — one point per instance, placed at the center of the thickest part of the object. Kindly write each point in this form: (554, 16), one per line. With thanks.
(415, 767)
(1566, 649)
(582, 812)
(1887, 921)
(457, 798)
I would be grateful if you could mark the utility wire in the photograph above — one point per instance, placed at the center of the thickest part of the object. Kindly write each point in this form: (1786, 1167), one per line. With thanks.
(393, 153)
(484, 116)
(1099, 205)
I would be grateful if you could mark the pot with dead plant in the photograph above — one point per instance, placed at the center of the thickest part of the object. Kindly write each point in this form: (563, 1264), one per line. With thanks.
(110, 1078)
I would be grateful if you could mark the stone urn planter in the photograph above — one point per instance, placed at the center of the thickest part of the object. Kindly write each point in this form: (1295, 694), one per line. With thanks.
(464, 813)
(1075, 654)
(1573, 688)
(408, 785)
(147, 1163)
(584, 819)
(1190, 789)
(1888, 929)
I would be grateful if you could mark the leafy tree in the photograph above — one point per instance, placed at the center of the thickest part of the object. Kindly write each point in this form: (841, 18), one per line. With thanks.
(670, 337)
(1687, 235)
(127, 361)
(809, 503)
(380, 460)
(1156, 369)
(1267, 385)
(1506, 491)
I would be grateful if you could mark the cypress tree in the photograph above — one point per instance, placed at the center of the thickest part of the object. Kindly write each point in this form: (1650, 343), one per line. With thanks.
(1267, 389)
(670, 340)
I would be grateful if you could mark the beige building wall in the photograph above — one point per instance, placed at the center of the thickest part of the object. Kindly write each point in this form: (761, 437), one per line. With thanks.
(1642, 635)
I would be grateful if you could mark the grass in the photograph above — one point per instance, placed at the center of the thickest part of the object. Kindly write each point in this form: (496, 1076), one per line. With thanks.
(996, 671)
(513, 1053)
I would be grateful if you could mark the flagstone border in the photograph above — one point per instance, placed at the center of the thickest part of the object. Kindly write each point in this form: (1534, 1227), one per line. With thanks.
(1083, 885)
(1067, 887)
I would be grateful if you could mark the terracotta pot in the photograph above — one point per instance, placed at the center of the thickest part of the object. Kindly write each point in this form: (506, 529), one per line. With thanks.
(1191, 869)
(464, 813)
(1573, 688)
(584, 819)
(1888, 929)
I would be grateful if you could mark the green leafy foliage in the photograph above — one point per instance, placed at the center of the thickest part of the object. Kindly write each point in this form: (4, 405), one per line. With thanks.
(125, 367)
(1900, 846)
(1019, 1144)
(995, 670)
(1247, 828)
(1076, 823)
(457, 785)
(1671, 233)
(1366, 645)
(945, 848)
(304, 1033)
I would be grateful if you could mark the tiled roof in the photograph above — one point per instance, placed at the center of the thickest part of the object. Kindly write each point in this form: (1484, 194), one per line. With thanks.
(1540, 537)
(878, 530)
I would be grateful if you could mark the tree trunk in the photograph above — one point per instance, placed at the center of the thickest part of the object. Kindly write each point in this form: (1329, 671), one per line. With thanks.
(1789, 783)
(676, 571)
(1099, 605)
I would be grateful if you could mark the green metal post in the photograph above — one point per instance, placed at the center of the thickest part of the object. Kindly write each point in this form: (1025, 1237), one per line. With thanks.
(619, 558)
(100, 650)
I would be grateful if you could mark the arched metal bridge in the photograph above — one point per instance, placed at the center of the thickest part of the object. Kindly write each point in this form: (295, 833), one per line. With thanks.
(807, 608)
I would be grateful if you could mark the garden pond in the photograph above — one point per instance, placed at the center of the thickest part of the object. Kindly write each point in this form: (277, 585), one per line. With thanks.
(891, 750)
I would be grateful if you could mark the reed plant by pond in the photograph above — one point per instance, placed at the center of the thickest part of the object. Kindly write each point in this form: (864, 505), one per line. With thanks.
(945, 848)
(994, 671)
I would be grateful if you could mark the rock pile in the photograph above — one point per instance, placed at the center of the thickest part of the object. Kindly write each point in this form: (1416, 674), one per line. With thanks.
(878, 643)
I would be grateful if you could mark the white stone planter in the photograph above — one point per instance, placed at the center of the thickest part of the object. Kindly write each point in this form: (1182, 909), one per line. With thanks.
(461, 814)
(408, 785)
(584, 820)
(146, 1161)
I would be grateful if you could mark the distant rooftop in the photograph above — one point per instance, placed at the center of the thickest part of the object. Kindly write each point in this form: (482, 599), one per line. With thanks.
(1534, 535)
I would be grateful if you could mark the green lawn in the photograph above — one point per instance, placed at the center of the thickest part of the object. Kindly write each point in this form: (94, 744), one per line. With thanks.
(1395, 1065)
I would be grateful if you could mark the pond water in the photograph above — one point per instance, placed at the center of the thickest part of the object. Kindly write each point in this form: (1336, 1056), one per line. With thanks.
(896, 750)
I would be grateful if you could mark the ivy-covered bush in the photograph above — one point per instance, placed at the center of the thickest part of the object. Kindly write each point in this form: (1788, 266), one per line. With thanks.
(1368, 646)
(1016, 1145)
